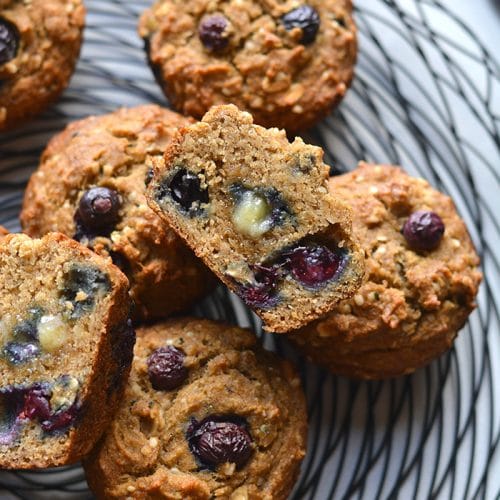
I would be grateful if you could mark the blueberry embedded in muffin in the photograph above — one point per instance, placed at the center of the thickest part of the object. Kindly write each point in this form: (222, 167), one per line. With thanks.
(62, 316)
(287, 64)
(91, 184)
(256, 209)
(233, 424)
(421, 283)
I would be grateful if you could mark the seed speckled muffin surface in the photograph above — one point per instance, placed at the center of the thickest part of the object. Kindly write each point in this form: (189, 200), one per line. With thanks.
(285, 62)
(39, 45)
(256, 209)
(91, 186)
(421, 278)
(230, 423)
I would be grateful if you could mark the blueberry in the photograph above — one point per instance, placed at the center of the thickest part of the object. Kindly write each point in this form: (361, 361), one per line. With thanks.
(219, 439)
(185, 189)
(61, 420)
(263, 293)
(306, 18)
(423, 230)
(18, 353)
(166, 368)
(27, 330)
(36, 404)
(312, 265)
(9, 41)
(11, 405)
(211, 31)
(98, 210)
(89, 280)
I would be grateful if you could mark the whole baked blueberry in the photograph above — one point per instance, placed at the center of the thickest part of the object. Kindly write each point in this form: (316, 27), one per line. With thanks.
(9, 41)
(423, 230)
(98, 210)
(219, 439)
(166, 368)
(306, 18)
(211, 31)
(312, 265)
(186, 190)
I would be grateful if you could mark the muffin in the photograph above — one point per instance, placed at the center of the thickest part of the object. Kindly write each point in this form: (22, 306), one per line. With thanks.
(256, 209)
(65, 349)
(287, 62)
(91, 184)
(206, 414)
(421, 278)
(39, 46)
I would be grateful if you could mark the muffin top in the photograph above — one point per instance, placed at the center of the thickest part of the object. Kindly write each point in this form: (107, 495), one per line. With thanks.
(206, 414)
(420, 284)
(286, 62)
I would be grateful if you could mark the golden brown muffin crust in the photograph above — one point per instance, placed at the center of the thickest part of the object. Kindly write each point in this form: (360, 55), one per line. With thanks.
(412, 304)
(265, 70)
(145, 452)
(50, 37)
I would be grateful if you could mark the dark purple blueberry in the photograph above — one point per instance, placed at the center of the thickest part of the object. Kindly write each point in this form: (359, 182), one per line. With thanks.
(9, 41)
(36, 404)
(306, 18)
(217, 439)
(312, 265)
(98, 210)
(264, 292)
(423, 230)
(211, 31)
(166, 368)
(185, 189)
(18, 353)
(61, 420)
(37, 407)
(11, 404)
(90, 280)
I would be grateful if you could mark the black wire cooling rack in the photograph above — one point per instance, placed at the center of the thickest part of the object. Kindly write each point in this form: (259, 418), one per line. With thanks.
(426, 95)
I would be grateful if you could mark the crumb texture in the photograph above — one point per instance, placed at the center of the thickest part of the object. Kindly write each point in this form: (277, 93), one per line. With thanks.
(115, 152)
(65, 349)
(246, 201)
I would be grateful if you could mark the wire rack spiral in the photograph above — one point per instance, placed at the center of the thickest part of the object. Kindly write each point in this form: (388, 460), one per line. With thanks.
(423, 97)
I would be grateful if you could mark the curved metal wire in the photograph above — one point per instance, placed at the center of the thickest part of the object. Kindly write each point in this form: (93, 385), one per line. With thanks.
(435, 433)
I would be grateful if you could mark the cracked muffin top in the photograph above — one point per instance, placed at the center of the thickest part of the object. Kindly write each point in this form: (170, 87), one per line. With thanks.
(421, 278)
(39, 45)
(285, 62)
(91, 185)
